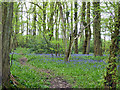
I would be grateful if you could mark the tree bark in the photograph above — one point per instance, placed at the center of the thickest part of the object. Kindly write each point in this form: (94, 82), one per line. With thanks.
(75, 32)
(7, 15)
(89, 30)
(34, 20)
(0, 46)
(114, 48)
(22, 29)
(44, 16)
(51, 25)
(84, 24)
(56, 32)
(97, 30)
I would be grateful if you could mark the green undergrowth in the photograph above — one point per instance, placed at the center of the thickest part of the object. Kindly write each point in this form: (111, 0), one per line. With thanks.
(22, 50)
(90, 57)
(29, 77)
(80, 74)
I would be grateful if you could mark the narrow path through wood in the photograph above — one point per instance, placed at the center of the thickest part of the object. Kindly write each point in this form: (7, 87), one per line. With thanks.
(56, 82)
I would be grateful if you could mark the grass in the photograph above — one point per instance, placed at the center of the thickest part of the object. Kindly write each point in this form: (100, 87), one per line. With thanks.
(29, 77)
(80, 72)
(84, 74)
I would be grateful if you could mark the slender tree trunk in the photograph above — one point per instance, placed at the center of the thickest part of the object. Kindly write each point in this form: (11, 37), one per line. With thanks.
(71, 23)
(34, 30)
(44, 16)
(30, 31)
(56, 32)
(51, 19)
(76, 40)
(58, 39)
(119, 41)
(27, 25)
(22, 29)
(0, 45)
(104, 44)
(71, 17)
(89, 30)
(27, 29)
(16, 25)
(97, 29)
(7, 15)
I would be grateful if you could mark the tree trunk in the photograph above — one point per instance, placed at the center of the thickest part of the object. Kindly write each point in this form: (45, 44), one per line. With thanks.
(30, 31)
(51, 25)
(75, 32)
(44, 16)
(22, 29)
(27, 26)
(56, 32)
(97, 30)
(84, 24)
(89, 30)
(0, 46)
(58, 40)
(7, 15)
(16, 31)
(114, 48)
(34, 30)
(64, 32)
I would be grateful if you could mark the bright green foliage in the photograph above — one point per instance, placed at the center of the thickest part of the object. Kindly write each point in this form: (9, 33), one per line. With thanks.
(28, 77)
(38, 44)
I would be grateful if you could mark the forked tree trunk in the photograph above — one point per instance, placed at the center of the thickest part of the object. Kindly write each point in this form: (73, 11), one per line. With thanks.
(64, 31)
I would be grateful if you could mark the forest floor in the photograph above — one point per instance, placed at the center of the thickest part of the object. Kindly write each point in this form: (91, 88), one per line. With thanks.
(45, 71)
(56, 82)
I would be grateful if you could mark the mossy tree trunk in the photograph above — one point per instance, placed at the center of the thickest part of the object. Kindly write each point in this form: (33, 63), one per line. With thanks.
(110, 78)
(97, 29)
(16, 31)
(7, 15)
(51, 25)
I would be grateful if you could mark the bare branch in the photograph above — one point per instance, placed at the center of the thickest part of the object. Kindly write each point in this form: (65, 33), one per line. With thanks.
(110, 11)
(36, 5)
(79, 34)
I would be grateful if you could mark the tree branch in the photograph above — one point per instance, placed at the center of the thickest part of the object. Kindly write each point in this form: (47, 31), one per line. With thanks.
(36, 5)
